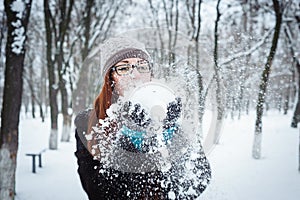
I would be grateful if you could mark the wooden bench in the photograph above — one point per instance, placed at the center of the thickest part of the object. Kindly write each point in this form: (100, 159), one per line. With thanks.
(33, 155)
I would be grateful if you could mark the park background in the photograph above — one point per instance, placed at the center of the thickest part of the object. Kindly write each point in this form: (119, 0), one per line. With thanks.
(250, 69)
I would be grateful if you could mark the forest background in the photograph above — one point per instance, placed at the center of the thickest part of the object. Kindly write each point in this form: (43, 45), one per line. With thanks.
(44, 45)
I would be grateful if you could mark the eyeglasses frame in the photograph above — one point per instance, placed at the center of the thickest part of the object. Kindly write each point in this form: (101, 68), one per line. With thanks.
(133, 66)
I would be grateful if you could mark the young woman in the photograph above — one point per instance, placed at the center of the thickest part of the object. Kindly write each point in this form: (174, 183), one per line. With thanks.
(126, 62)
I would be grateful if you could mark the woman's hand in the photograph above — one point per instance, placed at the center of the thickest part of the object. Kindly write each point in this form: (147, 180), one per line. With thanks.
(173, 113)
(134, 116)
(134, 121)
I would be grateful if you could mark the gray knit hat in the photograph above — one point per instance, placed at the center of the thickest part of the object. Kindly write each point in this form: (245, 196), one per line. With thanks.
(116, 49)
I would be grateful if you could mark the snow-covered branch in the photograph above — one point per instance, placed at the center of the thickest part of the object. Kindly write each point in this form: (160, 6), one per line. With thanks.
(247, 52)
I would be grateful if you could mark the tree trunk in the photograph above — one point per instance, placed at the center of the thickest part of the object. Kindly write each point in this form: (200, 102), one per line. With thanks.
(247, 107)
(51, 78)
(194, 13)
(299, 153)
(43, 93)
(241, 97)
(65, 135)
(296, 115)
(220, 106)
(30, 82)
(66, 131)
(286, 101)
(65, 13)
(12, 96)
(256, 149)
(3, 27)
(42, 112)
(32, 107)
(279, 102)
(80, 94)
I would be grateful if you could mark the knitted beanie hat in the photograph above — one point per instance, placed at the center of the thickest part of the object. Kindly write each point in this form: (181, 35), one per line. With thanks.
(116, 49)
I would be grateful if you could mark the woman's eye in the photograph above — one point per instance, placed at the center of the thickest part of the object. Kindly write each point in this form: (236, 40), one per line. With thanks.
(125, 68)
(143, 67)
(143, 62)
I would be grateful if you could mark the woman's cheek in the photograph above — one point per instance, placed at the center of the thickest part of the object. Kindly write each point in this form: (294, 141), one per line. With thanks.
(125, 83)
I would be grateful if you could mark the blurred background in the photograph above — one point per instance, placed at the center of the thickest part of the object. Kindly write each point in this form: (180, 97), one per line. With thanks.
(242, 55)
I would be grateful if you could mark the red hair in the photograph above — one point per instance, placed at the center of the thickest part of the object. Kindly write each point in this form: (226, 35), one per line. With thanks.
(103, 100)
(101, 104)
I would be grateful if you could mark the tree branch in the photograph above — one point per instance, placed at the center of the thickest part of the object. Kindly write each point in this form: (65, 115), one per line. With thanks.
(247, 52)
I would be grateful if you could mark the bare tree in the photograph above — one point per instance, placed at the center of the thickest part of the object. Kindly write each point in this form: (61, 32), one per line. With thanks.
(171, 11)
(57, 21)
(194, 13)
(3, 29)
(18, 13)
(53, 88)
(97, 22)
(80, 96)
(65, 9)
(34, 74)
(291, 37)
(217, 77)
(167, 28)
(256, 149)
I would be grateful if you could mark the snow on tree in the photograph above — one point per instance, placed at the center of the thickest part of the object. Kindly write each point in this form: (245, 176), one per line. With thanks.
(18, 13)
(256, 149)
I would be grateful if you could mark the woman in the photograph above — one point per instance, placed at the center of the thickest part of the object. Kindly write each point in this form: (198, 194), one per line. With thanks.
(126, 62)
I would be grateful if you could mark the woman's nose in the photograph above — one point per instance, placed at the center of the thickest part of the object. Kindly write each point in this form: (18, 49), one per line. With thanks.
(136, 74)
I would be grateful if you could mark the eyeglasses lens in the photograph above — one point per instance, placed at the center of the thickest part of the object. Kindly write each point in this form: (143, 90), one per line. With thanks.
(142, 67)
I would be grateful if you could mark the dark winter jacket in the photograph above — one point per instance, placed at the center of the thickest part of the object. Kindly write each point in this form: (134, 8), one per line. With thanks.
(115, 184)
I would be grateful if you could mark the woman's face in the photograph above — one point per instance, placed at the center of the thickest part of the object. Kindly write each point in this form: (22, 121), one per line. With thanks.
(129, 73)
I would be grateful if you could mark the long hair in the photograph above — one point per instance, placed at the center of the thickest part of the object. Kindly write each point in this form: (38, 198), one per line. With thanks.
(101, 104)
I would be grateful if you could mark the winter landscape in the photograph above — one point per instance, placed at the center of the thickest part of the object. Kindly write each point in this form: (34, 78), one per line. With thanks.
(235, 63)
(236, 175)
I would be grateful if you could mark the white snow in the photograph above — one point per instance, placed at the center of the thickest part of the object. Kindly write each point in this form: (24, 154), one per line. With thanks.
(236, 175)
(19, 38)
(19, 7)
(58, 178)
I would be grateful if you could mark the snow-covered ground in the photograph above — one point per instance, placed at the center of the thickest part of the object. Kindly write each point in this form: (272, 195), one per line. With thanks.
(58, 178)
(236, 175)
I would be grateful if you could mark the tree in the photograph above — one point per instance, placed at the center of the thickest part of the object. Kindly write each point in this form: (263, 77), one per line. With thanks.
(18, 13)
(291, 34)
(95, 25)
(194, 13)
(217, 78)
(65, 9)
(3, 29)
(167, 28)
(80, 96)
(57, 27)
(256, 149)
(35, 82)
(53, 89)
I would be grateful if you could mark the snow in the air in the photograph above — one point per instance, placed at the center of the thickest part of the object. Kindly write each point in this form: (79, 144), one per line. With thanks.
(235, 174)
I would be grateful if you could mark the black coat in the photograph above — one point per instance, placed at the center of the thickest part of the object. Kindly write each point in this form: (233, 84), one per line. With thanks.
(114, 184)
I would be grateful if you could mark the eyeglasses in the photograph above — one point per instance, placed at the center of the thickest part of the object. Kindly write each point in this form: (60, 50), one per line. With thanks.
(142, 66)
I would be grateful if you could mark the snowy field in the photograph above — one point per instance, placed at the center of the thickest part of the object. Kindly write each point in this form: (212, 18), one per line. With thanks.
(236, 175)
